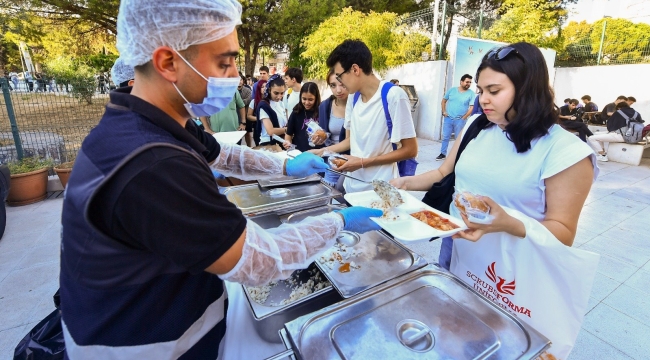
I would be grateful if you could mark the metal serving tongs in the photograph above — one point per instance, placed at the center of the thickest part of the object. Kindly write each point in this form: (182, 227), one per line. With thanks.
(387, 192)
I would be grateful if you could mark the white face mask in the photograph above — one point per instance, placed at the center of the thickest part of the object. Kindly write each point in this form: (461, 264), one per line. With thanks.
(220, 94)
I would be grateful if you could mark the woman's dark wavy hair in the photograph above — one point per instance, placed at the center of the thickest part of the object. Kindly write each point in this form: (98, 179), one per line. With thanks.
(312, 88)
(535, 111)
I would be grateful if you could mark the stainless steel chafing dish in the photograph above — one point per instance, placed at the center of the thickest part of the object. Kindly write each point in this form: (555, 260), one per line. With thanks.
(253, 200)
(426, 314)
(271, 315)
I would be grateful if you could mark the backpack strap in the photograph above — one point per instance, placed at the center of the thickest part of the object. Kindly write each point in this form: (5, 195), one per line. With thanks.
(627, 118)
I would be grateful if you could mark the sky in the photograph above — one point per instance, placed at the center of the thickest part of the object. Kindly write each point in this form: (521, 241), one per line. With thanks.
(593, 10)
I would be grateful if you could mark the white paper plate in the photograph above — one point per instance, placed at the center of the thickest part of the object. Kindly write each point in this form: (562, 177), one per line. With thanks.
(406, 228)
(229, 137)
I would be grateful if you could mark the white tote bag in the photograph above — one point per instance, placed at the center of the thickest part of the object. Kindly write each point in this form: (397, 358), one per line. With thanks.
(543, 282)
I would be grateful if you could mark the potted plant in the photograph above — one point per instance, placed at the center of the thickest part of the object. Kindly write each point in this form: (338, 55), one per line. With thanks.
(28, 181)
(63, 171)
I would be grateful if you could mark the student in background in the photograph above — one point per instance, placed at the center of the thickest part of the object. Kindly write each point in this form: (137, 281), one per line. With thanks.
(304, 112)
(271, 114)
(293, 82)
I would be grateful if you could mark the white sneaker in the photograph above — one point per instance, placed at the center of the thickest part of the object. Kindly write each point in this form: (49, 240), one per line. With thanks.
(602, 158)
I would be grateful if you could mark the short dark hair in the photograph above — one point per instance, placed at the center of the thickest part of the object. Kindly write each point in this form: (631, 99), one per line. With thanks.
(351, 52)
(574, 101)
(466, 76)
(533, 104)
(631, 98)
(622, 97)
(264, 68)
(312, 88)
(294, 73)
(394, 81)
(622, 105)
(567, 100)
(586, 97)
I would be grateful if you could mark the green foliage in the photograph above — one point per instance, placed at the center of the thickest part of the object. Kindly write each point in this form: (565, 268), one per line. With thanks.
(101, 62)
(28, 164)
(625, 42)
(398, 7)
(533, 21)
(79, 75)
(390, 45)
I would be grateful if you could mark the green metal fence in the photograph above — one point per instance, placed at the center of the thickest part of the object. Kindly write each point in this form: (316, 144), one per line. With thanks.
(45, 122)
(590, 52)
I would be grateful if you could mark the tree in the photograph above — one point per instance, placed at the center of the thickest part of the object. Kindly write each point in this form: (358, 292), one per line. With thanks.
(80, 76)
(100, 13)
(389, 44)
(397, 7)
(576, 49)
(533, 21)
(625, 41)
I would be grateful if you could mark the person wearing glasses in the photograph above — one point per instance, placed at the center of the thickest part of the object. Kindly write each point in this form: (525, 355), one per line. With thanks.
(535, 178)
(367, 136)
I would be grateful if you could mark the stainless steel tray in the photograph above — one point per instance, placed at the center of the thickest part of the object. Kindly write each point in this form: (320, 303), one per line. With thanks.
(426, 314)
(270, 316)
(253, 200)
(378, 257)
(288, 180)
(282, 291)
(301, 215)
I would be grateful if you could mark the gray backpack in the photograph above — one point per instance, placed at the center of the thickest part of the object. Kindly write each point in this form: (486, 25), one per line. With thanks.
(633, 132)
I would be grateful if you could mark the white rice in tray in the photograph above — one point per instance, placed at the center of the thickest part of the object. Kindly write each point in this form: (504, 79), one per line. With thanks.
(299, 290)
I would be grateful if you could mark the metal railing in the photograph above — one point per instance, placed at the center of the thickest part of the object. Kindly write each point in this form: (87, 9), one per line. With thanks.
(46, 123)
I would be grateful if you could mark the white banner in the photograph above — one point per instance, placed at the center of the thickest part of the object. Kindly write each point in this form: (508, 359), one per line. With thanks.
(28, 59)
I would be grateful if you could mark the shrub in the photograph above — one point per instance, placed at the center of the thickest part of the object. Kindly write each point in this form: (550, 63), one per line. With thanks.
(28, 164)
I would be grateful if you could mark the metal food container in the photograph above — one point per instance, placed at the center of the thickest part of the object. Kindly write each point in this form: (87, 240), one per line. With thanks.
(253, 200)
(271, 315)
(375, 259)
(426, 314)
(288, 180)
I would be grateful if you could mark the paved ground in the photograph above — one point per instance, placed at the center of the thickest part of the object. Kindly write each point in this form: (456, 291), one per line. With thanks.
(614, 223)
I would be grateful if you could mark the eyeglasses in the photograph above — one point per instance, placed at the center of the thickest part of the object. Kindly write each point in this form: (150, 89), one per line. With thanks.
(501, 53)
(338, 76)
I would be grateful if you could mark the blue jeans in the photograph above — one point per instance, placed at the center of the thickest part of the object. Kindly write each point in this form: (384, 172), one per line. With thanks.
(444, 258)
(448, 126)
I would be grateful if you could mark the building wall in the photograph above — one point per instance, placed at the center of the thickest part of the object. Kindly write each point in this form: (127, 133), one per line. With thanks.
(604, 84)
(429, 81)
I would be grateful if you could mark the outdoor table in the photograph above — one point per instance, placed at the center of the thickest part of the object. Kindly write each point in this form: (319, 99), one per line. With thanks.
(241, 340)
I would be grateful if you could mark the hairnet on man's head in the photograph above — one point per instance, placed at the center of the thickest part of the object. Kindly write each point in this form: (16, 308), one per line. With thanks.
(144, 25)
(120, 72)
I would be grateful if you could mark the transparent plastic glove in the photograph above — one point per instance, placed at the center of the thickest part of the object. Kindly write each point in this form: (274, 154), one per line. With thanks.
(305, 164)
(357, 218)
(274, 254)
(245, 163)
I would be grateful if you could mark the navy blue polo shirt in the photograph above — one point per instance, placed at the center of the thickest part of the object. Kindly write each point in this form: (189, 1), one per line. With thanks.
(142, 219)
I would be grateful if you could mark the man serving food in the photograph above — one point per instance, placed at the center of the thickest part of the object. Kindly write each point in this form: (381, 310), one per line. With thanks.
(147, 238)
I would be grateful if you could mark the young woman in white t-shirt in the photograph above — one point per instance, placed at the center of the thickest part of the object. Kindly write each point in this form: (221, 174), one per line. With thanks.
(521, 159)
(273, 95)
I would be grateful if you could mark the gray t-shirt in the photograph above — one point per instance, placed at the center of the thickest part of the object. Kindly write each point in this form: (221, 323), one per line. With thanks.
(335, 126)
